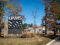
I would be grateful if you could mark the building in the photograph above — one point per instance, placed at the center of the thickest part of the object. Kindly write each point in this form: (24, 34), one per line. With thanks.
(35, 29)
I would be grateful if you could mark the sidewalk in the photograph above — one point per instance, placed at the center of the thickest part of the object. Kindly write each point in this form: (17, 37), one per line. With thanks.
(57, 42)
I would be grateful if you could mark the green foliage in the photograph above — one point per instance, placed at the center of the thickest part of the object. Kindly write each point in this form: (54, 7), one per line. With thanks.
(58, 17)
(24, 26)
(1, 14)
(30, 25)
(2, 23)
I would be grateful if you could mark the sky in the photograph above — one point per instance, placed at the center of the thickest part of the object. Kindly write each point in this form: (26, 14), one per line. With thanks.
(29, 6)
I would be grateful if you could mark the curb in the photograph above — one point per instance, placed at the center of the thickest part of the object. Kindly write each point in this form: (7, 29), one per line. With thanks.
(52, 41)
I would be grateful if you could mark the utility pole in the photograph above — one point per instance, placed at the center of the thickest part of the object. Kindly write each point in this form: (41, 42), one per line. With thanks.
(34, 16)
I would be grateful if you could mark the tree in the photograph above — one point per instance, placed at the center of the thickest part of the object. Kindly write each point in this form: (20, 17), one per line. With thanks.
(50, 17)
(2, 4)
(30, 25)
(24, 26)
(10, 6)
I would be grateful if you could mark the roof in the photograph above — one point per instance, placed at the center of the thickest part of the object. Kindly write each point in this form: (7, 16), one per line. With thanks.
(37, 26)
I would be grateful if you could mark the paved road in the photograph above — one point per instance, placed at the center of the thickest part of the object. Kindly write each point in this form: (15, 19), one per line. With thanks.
(57, 42)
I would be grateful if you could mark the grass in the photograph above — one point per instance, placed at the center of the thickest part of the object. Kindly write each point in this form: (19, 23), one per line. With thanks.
(37, 40)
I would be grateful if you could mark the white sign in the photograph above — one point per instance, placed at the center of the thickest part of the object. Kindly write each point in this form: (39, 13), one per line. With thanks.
(16, 17)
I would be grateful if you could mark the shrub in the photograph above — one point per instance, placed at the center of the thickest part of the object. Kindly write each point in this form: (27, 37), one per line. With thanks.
(28, 35)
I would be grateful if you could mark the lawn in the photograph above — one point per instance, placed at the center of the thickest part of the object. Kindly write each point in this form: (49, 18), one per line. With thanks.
(37, 40)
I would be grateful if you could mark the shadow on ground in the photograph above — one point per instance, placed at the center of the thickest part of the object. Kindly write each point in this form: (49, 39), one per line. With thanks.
(1, 36)
(58, 39)
(49, 36)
